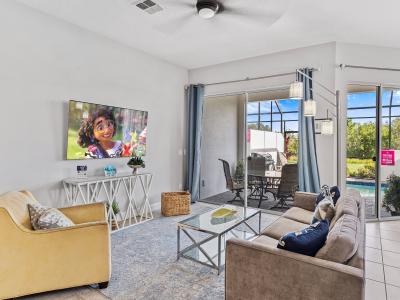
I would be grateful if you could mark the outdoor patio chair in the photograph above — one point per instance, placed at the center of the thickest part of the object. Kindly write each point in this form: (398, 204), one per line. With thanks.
(255, 186)
(288, 185)
(234, 186)
(269, 162)
(256, 163)
(282, 160)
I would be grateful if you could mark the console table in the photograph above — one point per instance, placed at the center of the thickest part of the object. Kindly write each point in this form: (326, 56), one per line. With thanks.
(129, 191)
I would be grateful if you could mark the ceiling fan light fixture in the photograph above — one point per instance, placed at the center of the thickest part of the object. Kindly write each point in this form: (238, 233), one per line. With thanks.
(207, 9)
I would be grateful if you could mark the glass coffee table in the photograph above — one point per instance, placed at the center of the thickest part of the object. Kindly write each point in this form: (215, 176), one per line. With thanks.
(212, 232)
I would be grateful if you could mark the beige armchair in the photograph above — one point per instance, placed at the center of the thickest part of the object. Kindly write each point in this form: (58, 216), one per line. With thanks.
(38, 261)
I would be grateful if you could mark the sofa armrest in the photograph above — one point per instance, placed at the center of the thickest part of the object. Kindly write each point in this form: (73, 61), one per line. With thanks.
(256, 271)
(305, 200)
(85, 213)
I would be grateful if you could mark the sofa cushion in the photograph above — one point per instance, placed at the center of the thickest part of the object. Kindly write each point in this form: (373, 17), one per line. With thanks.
(43, 217)
(304, 200)
(355, 194)
(299, 214)
(307, 241)
(342, 241)
(347, 204)
(357, 260)
(266, 241)
(282, 226)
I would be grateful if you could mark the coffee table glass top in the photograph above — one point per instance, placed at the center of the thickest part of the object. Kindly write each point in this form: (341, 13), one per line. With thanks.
(214, 224)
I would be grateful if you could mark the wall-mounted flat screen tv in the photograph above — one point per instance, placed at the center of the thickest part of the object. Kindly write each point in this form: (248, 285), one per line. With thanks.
(101, 131)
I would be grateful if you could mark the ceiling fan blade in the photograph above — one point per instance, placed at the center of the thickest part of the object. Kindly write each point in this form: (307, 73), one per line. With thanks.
(264, 18)
(175, 24)
(179, 3)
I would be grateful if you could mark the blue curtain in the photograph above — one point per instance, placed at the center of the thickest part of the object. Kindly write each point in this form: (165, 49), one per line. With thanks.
(195, 100)
(307, 156)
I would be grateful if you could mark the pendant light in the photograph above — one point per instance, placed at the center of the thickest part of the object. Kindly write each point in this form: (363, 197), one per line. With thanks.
(296, 90)
(310, 108)
(327, 125)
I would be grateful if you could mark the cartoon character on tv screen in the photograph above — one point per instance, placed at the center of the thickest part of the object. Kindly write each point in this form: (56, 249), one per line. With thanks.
(97, 132)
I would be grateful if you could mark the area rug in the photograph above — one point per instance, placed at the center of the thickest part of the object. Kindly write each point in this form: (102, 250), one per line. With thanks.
(144, 264)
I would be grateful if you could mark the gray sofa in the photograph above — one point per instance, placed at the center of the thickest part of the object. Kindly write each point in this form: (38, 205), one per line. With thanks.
(257, 269)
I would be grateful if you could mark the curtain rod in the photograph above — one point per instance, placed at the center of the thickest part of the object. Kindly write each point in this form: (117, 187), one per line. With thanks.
(254, 78)
(343, 66)
(253, 91)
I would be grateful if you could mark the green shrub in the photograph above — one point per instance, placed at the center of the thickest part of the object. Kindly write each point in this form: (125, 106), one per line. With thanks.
(360, 168)
(239, 171)
(391, 200)
(367, 171)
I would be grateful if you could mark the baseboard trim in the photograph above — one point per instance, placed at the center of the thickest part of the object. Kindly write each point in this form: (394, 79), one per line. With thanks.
(156, 206)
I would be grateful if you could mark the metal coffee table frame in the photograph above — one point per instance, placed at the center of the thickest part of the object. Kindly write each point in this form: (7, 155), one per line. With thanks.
(197, 244)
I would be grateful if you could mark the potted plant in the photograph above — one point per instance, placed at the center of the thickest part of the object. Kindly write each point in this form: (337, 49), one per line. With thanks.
(116, 211)
(239, 171)
(136, 162)
(391, 200)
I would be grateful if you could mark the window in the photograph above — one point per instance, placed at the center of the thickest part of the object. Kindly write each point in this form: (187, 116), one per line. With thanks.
(279, 117)
(273, 115)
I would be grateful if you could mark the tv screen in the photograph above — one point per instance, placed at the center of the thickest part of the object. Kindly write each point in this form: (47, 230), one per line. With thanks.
(101, 131)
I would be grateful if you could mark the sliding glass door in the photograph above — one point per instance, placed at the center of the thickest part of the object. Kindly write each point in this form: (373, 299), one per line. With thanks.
(389, 163)
(373, 147)
(361, 144)
(272, 139)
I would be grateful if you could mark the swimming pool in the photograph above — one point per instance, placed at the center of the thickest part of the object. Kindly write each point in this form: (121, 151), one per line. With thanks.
(366, 189)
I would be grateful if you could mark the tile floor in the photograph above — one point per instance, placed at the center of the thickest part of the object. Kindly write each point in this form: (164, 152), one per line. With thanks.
(382, 256)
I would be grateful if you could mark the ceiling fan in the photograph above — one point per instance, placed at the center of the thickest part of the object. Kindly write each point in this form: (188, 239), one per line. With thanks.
(260, 12)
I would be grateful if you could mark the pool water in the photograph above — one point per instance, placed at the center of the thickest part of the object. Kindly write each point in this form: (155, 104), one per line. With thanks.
(366, 190)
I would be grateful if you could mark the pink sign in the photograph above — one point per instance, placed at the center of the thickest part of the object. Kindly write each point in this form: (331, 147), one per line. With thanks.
(387, 158)
(248, 135)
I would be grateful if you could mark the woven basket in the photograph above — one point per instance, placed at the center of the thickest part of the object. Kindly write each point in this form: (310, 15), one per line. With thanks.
(175, 203)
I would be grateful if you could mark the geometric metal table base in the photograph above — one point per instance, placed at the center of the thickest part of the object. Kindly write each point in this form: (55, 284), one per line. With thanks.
(201, 250)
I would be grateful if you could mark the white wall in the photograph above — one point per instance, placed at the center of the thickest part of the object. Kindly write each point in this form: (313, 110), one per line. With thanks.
(266, 142)
(44, 63)
(321, 56)
(219, 140)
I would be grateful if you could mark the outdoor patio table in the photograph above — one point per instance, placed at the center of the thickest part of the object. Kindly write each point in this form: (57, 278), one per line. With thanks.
(264, 183)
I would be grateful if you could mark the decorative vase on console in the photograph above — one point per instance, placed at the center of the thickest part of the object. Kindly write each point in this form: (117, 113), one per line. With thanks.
(136, 162)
